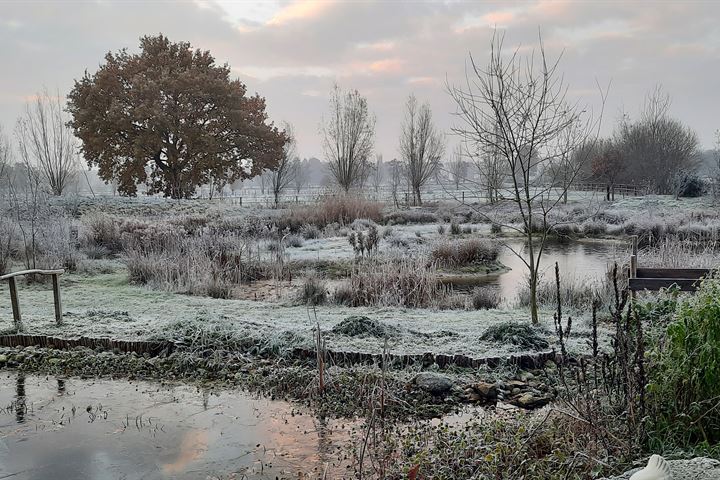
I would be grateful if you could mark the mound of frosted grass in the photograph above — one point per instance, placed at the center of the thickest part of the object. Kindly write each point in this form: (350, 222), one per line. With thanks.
(359, 326)
(520, 334)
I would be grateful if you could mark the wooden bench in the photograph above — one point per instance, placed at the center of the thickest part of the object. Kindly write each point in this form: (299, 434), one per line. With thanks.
(10, 277)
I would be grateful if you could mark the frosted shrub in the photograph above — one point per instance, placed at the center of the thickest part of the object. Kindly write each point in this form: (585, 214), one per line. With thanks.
(400, 282)
(460, 253)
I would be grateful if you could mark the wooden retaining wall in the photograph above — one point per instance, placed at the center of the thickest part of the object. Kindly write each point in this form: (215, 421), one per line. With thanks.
(530, 360)
(140, 347)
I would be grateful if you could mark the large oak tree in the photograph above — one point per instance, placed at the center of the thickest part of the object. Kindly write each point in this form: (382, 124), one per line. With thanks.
(171, 118)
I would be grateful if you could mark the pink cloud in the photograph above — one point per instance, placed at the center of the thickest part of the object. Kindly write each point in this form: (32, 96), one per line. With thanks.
(388, 65)
(300, 10)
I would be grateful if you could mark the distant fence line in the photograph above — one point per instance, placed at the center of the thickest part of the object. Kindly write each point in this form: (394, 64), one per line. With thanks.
(254, 196)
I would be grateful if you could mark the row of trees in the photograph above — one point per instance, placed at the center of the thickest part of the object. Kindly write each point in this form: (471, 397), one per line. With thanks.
(655, 151)
(170, 118)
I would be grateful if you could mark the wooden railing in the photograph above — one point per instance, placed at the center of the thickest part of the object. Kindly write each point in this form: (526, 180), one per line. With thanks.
(10, 277)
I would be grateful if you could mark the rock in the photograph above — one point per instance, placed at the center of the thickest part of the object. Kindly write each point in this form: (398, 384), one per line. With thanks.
(434, 383)
(488, 391)
(699, 468)
(3, 358)
(512, 384)
(526, 376)
(530, 401)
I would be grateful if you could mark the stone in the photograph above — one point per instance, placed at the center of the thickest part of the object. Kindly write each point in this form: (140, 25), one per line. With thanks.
(699, 468)
(487, 390)
(3, 358)
(434, 383)
(526, 376)
(530, 401)
(513, 384)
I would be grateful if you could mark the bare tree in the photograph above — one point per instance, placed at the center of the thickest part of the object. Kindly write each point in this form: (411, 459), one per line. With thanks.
(396, 178)
(716, 166)
(378, 173)
(457, 167)
(517, 107)
(4, 158)
(48, 142)
(301, 174)
(421, 146)
(491, 168)
(281, 177)
(348, 136)
(656, 148)
(607, 166)
(28, 202)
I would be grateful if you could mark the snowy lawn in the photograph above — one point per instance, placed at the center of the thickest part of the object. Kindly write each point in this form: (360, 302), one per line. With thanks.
(107, 306)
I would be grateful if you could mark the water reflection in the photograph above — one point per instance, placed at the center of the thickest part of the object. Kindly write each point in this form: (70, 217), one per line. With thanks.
(153, 431)
(20, 399)
(578, 261)
(193, 446)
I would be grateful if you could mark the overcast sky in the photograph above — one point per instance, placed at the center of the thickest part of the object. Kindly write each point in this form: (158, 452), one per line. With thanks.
(292, 52)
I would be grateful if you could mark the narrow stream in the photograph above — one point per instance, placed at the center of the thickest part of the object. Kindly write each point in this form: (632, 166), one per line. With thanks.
(52, 428)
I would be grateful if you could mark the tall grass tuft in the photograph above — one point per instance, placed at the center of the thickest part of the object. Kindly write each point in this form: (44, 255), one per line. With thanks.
(406, 282)
(461, 253)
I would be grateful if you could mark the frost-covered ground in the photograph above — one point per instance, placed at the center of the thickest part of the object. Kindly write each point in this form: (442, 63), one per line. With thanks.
(107, 306)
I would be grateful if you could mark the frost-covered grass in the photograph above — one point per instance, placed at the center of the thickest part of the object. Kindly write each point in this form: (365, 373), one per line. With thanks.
(106, 305)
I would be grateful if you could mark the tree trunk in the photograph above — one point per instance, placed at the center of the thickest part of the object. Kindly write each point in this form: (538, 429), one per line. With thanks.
(533, 278)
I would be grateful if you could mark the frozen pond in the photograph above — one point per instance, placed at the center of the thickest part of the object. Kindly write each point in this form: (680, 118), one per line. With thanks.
(92, 429)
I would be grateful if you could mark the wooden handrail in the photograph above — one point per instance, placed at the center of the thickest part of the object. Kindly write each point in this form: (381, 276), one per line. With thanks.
(10, 277)
(31, 272)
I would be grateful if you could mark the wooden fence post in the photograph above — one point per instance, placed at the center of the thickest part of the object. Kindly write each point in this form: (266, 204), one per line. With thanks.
(56, 298)
(17, 320)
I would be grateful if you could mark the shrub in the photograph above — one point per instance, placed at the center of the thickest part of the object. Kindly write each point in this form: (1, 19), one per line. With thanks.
(410, 216)
(344, 295)
(460, 253)
(441, 229)
(397, 282)
(688, 184)
(294, 241)
(454, 227)
(342, 209)
(96, 252)
(685, 375)
(574, 293)
(484, 298)
(104, 231)
(309, 232)
(495, 228)
(594, 227)
(314, 290)
(200, 265)
(520, 334)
